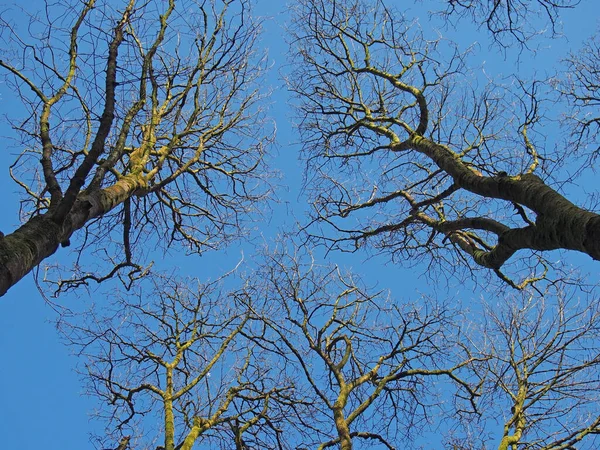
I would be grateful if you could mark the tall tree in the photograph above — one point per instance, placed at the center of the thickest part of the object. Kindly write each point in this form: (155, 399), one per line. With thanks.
(176, 365)
(142, 120)
(374, 370)
(405, 155)
(538, 359)
(299, 356)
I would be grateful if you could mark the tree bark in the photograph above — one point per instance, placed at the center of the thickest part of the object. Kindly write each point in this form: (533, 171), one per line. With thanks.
(559, 224)
(40, 236)
(342, 428)
(124, 444)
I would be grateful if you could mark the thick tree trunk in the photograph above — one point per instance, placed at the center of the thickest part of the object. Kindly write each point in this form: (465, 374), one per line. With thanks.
(559, 223)
(342, 428)
(24, 249)
(40, 236)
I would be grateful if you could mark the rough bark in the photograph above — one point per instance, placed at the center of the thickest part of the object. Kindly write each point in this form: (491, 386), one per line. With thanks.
(41, 236)
(342, 428)
(559, 223)
(367, 86)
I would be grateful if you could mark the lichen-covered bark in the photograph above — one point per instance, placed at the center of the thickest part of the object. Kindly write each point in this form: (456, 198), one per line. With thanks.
(169, 417)
(559, 223)
(41, 236)
(341, 423)
(124, 443)
(518, 422)
(199, 426)
(106, 121)
(342, 428)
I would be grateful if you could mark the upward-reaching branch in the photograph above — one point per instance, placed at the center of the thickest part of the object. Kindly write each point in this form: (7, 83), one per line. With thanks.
(180, 133)
(403, 156)
(367, 363)
(106, 119)
(185, 353)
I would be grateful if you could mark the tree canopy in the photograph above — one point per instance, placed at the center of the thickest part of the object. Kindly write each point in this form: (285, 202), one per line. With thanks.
(148, 124)
(143, 133)
(406, 155)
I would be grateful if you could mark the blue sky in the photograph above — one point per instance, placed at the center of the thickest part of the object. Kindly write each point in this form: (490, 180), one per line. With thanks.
(42, 405)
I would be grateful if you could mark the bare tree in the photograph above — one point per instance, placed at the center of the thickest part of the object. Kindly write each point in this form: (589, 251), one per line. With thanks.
(581, 86)
(178, 367)
(403, 154)
(539, 359)
(510, 21)
(142, 121)
(372, 369)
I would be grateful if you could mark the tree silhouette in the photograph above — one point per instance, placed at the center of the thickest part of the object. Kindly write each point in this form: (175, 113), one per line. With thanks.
(405, 156)
(143, 121)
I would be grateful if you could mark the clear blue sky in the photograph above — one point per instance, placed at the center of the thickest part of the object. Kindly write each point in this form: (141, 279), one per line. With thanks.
(41, 405)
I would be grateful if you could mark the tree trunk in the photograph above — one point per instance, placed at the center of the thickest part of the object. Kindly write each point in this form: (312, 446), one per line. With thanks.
(559, 224)
(342, 428)
(40, 236)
